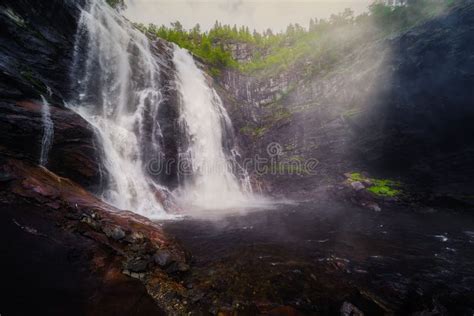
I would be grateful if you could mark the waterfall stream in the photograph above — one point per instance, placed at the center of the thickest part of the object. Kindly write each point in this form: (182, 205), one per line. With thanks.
(48, 131)
(119, 93)
(211, 182)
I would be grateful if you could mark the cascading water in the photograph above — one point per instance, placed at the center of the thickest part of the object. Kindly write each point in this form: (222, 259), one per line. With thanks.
(118, 82)
(119, 94)
(212, 182)
(48, 131)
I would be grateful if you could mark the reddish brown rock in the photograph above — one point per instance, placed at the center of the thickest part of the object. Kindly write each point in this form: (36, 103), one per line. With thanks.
(74, 242)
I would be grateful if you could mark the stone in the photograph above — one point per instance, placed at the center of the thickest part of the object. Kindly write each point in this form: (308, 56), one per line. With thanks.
(137, 264)
(177, 267)
(348, 309)
(113, 232)
(374, 207)
(357, 185)
(135, 237)
(92, 223)
(162, 258)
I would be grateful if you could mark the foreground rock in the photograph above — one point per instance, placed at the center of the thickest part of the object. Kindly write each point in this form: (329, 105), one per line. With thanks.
(73, 253)
(73, 154)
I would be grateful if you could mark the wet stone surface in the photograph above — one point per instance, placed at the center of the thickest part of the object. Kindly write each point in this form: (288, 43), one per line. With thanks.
(327, 257)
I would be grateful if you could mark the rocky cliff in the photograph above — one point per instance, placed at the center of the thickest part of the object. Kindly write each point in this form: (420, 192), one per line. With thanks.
(72, 253)
(399, 107)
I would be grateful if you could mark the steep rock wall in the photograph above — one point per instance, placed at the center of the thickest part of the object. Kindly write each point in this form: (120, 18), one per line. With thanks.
(399, 107)
(37, 50)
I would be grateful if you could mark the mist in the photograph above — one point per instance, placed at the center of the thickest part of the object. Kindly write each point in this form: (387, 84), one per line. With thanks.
(257, 14)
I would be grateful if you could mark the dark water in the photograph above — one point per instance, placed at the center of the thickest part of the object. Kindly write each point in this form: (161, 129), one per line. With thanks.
(314, 256)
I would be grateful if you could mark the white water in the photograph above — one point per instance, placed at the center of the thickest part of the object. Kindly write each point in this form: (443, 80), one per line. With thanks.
(48, 131)
(117, 79)
(119, 93)
(211, 183)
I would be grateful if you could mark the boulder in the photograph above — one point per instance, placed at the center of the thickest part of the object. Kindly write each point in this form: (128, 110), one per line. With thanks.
(73, 153)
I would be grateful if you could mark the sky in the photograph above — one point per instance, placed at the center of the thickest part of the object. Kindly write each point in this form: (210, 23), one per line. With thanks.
(256, 14)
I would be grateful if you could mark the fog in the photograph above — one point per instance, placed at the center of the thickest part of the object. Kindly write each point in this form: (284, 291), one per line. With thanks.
(256, 14)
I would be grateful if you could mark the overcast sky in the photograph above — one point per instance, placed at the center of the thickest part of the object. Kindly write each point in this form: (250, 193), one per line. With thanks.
(256, 14)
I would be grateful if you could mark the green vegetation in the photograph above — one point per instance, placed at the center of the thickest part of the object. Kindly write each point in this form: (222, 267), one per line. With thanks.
(383, 190)
(202, 44)
(379, 187)
(117, 4)
(255, 132)
(393, 19)
(314, 49)
(356, 176)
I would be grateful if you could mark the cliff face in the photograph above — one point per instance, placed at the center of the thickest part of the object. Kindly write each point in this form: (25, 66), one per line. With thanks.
(36, 44)
(37, 48)
(399, 107)
(77, 254)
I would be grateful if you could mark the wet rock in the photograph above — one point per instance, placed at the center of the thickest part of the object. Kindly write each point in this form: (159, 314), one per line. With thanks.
(162, 258)
(113, 232)
(6, 177)
(374, 206)
(348, 309)
(135, 237)
(284, 311)
(92, 223)
(183, 267)
(137, 264)
(357, 185)
(134, 275)
(195, 295)
(177, 267)
(389, 128)
(73, 153)
(62, 231)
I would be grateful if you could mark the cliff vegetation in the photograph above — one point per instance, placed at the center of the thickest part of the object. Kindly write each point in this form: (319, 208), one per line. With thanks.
(323, 42)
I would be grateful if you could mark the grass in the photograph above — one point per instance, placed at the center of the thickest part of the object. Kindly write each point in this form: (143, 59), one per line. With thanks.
(383, 190)
(378, 187)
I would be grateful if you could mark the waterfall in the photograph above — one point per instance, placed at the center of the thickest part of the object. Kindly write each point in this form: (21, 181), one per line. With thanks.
(117, 80)
(119, 95)
(48, 131)
(212, 181)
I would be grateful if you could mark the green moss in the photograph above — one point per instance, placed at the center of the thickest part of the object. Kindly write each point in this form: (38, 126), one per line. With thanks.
(253, 131)
(116, 4)
(383, 190)
(356, 176)
(260, 131)
(379, 187)
(281, 115)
